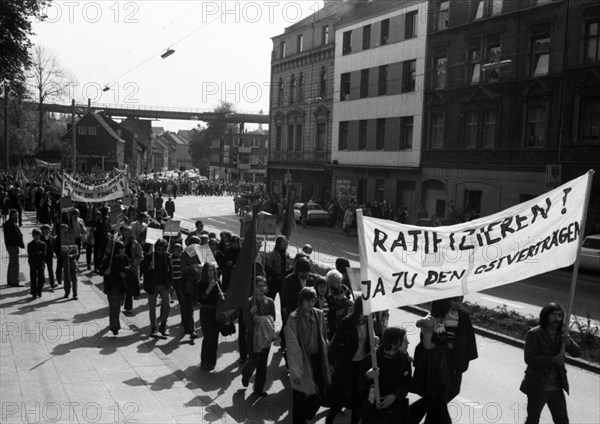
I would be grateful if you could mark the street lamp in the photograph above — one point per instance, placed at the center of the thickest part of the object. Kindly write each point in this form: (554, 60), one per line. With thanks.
(168, 53)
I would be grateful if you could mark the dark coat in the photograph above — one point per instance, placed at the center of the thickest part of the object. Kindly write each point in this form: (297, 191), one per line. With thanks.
(290, 289)
(36, 252)
(345, 342)
(119, 264)
(13, 235)
(539, 350)
(465, 347)
(152, 276)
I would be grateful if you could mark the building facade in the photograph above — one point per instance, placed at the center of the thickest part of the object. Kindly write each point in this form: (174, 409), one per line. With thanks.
(512, 102)
(239, 157)
(301, 103)
(378, 106)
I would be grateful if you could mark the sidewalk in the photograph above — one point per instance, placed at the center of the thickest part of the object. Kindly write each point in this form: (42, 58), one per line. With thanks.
(59, 363)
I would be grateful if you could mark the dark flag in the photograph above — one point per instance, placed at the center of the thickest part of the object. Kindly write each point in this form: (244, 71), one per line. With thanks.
(242, 275)
(288, 218)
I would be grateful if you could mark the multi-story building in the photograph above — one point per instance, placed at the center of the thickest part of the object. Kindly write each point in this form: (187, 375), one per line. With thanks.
(239, 157)
(512, 102)
(301, 105)
(180, 157)
(377, 109)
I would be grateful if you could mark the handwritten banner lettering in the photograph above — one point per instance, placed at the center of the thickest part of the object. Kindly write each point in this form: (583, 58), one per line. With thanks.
(407, 265)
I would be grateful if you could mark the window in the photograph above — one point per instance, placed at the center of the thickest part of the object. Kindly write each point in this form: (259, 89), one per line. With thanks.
(406, 132)
(474, 65)
(479, 9)
(321, 136)
(300, 94)
(81, 130)
(92, 130)
(385, 32)
(382, 80)
(493, 56)
(589, 120)
(299, 43)
(347, 42)
(236, 141)
(345, 87)
(487, 8)
(278, 138)
(442, 15)
(440, 70)
(362, 134)
(536, 126)
(323, 83)
(282, 49)
(436, 130)
(489, 129)
(471, 130)
(325, 35)
(343, 135)
(380, 134)
(410, 25)
(409, 75)
(592, 41)
(290, 141)
(364, 83)
(540, 51)
(379, 189)
(298, 140)
(280, 91)
(366, 41)
(293, 91)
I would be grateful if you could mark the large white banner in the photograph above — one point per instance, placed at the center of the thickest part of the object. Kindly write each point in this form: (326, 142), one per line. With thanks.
(111, 190)
(408, 265)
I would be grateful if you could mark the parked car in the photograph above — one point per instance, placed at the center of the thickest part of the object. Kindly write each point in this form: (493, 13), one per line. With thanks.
(589, 259)
(316, 213)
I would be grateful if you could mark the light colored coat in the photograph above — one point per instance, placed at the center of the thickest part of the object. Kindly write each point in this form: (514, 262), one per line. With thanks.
(299, 363)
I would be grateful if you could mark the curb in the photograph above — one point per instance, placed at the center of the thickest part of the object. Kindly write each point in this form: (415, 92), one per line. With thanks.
(576, 362)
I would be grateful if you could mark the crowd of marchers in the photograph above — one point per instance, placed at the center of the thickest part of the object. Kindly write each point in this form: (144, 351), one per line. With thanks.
(324, 336)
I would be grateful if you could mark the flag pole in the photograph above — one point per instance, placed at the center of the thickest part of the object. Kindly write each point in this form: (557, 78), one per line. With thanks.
(590, 177)
(367, 303)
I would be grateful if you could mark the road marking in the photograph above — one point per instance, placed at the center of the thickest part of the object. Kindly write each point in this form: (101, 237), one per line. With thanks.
(502, 302)
(350, 253)
(536, 287)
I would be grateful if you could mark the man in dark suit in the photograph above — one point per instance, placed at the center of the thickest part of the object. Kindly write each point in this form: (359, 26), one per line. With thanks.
(13, 239)
(546, 376)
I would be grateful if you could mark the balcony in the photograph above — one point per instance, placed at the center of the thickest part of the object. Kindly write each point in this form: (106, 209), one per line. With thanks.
(310, 157)
(244, 149)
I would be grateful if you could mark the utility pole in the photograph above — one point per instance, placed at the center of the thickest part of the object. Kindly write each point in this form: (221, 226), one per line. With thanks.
(73, 145)
(6, 143)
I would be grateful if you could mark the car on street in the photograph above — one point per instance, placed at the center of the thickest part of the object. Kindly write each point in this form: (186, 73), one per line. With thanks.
(589, 259)
(316, 213)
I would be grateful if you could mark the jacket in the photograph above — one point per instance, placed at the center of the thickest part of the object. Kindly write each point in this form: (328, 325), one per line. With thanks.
(36, 252)
(300, 365)
(345, 342)
(290, 289)
(539, 350)
(153, 277)
(13, 235)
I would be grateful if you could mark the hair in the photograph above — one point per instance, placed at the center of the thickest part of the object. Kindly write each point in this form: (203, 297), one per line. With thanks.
(307, 293)
(357, 310)
(391, 336)
(341, 264)
(36, 231)
(260, 279)
(279, 241)
(440, 307)
(302, 265)
(161, 243)
(192, 240)
(177, 246)
(199, 223)
(117, 246)
(45, 227)
(322, 282)
(205, 270)
(547, 310)
(334, 276)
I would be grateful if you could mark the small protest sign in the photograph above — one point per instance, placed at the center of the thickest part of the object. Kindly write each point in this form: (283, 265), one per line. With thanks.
(66, 202)
(153, 235)
(172, 228)
(266, 224)
(67, 238)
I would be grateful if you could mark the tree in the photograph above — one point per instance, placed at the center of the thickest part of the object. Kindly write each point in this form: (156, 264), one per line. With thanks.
(201, 138)
(15, 30)
(48, 80)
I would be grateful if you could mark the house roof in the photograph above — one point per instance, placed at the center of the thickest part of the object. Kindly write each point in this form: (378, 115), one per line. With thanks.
(100, 120)
(162, 143)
